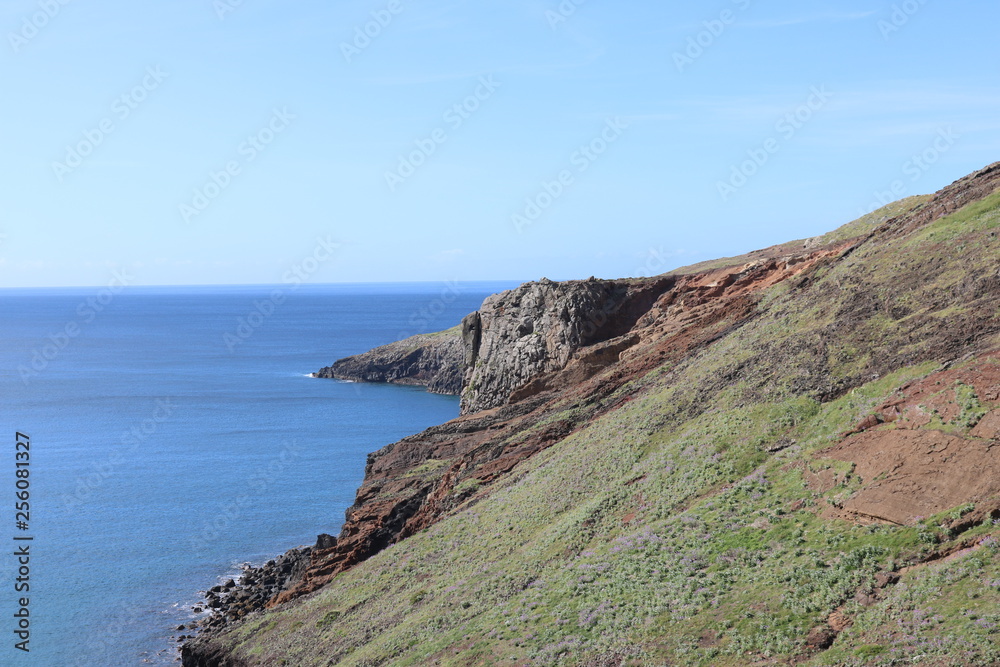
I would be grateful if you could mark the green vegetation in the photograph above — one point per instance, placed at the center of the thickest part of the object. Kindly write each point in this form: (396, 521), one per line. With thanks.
(955, 229)
(681, 527)
(716, 547)
(945, 614)
(467, 486)
(454, 331)
(972, 411)
(427, 467)
(867, 223)
(328, 619)
(860, 227)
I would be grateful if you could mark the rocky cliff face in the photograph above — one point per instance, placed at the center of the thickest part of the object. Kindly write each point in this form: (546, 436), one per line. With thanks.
(515, 337)
(428, 360)
(603, 362)
(537, 328)
(584, 328)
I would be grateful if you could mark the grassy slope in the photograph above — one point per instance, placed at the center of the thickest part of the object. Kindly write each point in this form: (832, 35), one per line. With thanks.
(859, 227)
(665, 533)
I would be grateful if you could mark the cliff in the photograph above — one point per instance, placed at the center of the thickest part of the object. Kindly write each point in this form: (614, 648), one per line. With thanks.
(428, 360)
(515, 337)
(787, 457)
(537, 328)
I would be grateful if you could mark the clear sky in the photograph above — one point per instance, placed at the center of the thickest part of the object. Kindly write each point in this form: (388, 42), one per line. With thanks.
(233, 141)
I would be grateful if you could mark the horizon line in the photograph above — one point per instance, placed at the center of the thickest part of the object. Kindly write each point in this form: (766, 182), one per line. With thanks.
(290, 286)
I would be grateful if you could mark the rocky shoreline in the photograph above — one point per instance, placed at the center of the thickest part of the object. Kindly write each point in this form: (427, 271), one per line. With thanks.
(432, 360)
(583, 359)
(520, 352)
(235, 599)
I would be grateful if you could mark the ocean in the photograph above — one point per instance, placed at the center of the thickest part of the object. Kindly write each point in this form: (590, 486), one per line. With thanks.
(174, 435)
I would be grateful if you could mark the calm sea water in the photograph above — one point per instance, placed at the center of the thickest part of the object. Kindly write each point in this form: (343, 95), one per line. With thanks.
(175, 435)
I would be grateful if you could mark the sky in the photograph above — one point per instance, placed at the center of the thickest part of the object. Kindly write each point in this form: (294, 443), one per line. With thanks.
(261, 141)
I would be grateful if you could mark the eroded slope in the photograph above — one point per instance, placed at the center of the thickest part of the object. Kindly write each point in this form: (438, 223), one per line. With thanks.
(661, 507)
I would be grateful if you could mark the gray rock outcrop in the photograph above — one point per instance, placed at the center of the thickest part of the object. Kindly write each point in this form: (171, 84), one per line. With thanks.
(537, 328)
(515, 338)
(433, 360)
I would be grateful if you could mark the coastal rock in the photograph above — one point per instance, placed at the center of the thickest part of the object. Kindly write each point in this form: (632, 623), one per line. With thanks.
(233, 600)
(427, 360)
(537, 328)
(616, 332)
(547, 360)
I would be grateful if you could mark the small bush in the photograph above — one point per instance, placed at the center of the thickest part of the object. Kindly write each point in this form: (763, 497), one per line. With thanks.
(869, 651)
(329, 619)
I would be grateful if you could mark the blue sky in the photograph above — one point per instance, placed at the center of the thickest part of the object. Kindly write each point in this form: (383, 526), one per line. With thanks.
(218, 141)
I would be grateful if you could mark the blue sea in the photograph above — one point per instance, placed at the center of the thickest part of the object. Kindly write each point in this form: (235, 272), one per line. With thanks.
(175, 434)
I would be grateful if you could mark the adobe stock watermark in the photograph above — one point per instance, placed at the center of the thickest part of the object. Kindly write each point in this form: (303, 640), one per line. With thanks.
(365, 34)
(581, 160)
(563, 13)
(225, 7)
(422, 320)
(295, 277)
(915, 167)
(248, 151)
(900, 15)
(86, 312)
(129, 442)
(655, 262)
(455, 117)
(32, 25)
(121, 109)
(786, 128)
(711, 31)
(257, 485)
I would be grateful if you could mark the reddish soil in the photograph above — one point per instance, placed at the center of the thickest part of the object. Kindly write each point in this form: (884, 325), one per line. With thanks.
(909, 469)
(691, 311)
(394, 503)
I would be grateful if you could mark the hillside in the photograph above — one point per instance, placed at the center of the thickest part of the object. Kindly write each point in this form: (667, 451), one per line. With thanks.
(783, 458)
